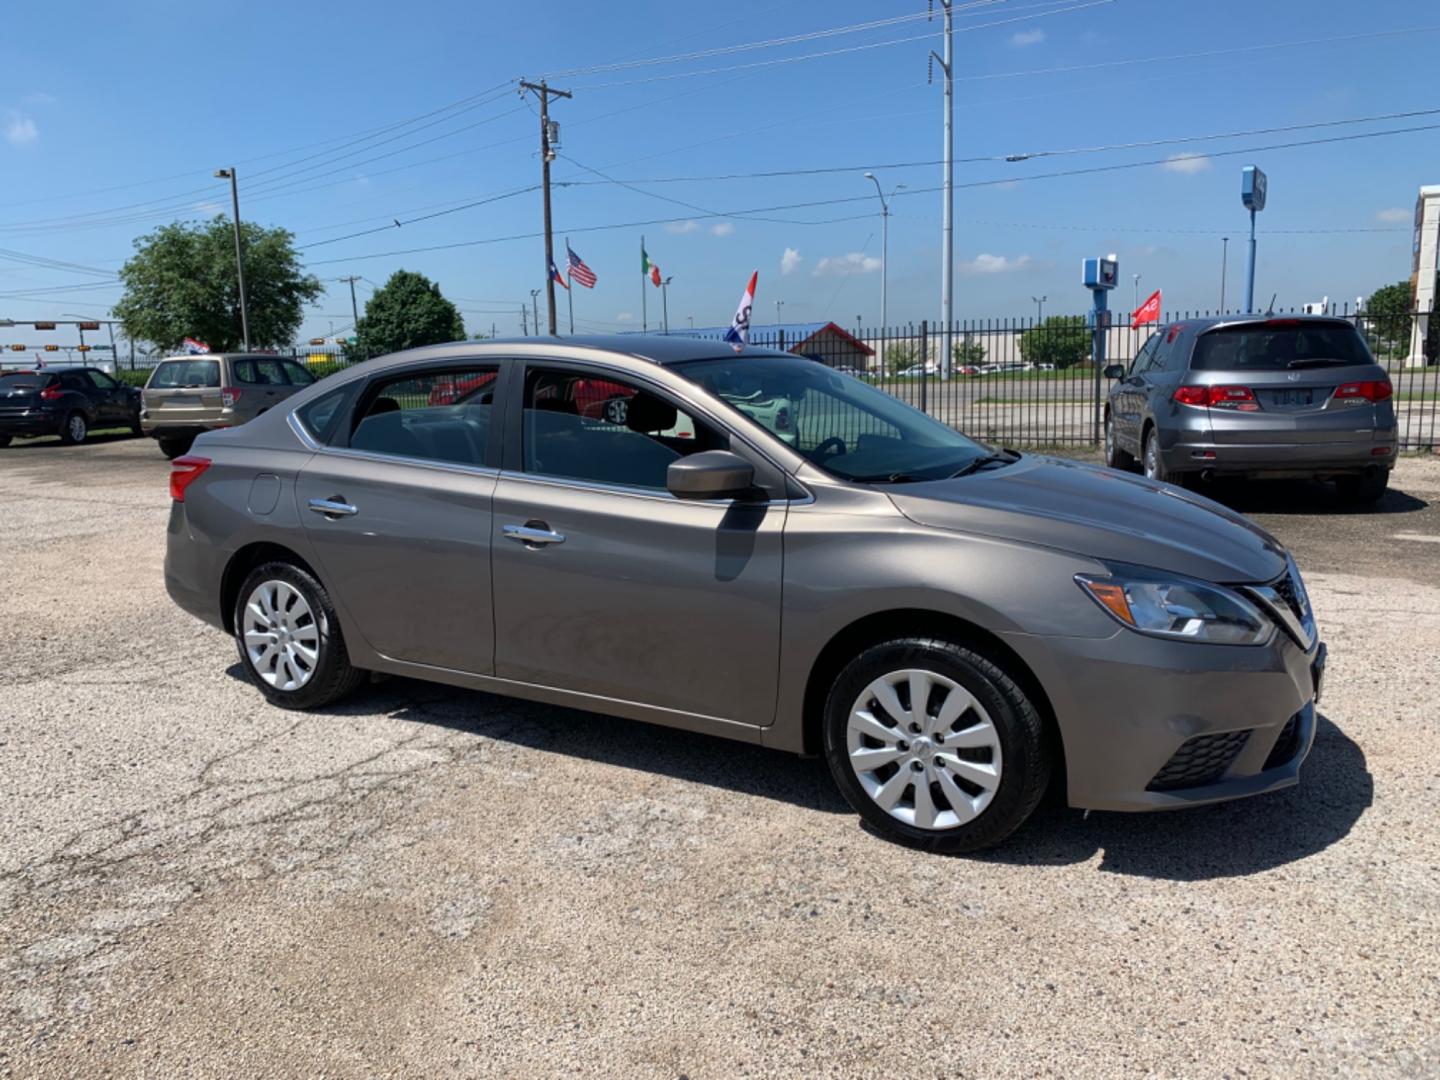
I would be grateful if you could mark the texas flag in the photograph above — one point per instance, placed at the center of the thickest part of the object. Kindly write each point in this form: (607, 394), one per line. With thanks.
(1147, 312)
(739, 333)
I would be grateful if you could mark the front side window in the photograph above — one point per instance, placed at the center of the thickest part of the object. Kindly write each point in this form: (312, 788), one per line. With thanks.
(607, 431)
(180, 374)
(430, 416)
(1143, 357)
(845, 426)
(101, 380)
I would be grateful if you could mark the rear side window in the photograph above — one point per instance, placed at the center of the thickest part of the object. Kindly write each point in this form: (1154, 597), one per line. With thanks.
(298, 375)
(258, 372)
(1278, 345)
(320, 415)
(175, 374)
(430, 416)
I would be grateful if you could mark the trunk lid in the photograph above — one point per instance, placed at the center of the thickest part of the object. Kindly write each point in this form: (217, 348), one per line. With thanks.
(184, 392)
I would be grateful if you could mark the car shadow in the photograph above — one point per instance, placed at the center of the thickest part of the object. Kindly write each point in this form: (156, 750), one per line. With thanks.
(1302, 497)
(1224, 840)
(50, 442)
(628, 744)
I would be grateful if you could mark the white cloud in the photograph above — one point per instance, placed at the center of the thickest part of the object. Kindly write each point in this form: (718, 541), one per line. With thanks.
(790, 261)
(724, 228)
(852, 263)
(1027, 37)
(1395, 215)
(1187, 164)
(624, 316)
(994, 264)
(680, 228)
(20, 130)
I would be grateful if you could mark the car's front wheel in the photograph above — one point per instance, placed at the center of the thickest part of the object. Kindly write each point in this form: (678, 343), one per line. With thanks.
(936, 745)
(289, 638)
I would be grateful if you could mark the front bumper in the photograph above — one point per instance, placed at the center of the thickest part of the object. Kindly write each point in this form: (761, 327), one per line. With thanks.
(1127, 705)
(1281, 460)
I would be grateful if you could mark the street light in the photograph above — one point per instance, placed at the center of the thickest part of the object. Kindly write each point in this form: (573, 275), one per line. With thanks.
(1224, 265)
(535, 307)
(665, 305)
(884, 242)
(1137, 292)
(1039, 308)
(778, 304)
(229, 174)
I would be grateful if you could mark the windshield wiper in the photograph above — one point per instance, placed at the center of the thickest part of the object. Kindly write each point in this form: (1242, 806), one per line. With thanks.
(1003, 457)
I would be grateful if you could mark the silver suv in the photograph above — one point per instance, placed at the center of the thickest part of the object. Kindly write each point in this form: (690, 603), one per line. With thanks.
(1255, 396)
(186, 395)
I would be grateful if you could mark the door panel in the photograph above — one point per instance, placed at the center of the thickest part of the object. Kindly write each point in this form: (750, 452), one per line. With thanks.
(411, 566)
(647, 598)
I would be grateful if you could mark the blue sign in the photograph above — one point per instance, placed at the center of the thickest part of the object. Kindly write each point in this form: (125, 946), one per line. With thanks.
(1252, 188)
(1100, 273)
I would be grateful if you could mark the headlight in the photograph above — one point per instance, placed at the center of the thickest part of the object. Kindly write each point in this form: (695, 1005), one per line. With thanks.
(1179, 608)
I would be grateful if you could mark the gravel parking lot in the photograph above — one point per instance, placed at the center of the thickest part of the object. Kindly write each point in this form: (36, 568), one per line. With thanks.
(427, 881)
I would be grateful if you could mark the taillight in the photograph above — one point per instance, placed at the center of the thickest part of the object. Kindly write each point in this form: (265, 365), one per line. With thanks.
(184, 471)
(229, 395)
(1375, 390)
(51, 393)
(1220, 397)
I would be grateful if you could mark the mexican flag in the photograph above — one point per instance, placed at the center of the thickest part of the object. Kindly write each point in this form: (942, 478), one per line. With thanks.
(648, 268)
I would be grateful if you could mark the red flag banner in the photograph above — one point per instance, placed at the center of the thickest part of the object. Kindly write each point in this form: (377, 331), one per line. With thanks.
(1147, 312)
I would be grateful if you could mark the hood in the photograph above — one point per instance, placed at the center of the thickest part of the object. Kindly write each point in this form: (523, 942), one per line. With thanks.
(1100, 513)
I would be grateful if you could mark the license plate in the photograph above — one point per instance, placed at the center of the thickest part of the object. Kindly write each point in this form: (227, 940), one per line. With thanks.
(1294, 397)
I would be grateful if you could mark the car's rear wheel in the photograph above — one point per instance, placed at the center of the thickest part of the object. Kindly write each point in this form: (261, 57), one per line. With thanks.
(289, 639)
(74, 430)
(1369, 487)
(1152, 461)
(4, 441)
(1115, 457)
(172, 446)
(935, 745)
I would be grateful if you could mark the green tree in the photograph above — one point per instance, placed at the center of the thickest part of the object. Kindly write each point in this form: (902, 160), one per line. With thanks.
(405, 312)
(1062, 340)
(1389, 310)
(901, 355)
(181, 283)
(968, 351)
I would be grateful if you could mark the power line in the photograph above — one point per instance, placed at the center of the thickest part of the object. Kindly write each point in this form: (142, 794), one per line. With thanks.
(397, 223)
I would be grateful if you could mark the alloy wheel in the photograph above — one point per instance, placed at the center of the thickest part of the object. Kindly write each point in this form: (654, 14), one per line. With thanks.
(1152, 458)
(924, 749)
(76, 428)
(282, 636)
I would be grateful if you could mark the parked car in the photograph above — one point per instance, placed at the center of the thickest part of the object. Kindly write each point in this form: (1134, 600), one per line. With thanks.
(69, 402)
(948, 625)
(1002, 367)
(187, 395)
(1255, 396)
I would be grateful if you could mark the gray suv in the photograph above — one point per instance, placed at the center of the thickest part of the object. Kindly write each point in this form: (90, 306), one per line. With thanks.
(186, 395)
(1255, 396)
(948, 625)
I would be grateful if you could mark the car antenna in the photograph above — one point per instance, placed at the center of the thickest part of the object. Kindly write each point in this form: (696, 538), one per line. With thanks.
(1271, 309)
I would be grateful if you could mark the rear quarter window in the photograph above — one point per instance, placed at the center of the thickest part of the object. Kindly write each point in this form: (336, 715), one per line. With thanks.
(1276, 346)
(173, 374)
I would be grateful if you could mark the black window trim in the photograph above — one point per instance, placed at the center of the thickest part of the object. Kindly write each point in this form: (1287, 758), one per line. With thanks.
(779, 485)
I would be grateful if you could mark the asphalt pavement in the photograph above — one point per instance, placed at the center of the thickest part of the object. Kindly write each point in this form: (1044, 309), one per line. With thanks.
(427, 881)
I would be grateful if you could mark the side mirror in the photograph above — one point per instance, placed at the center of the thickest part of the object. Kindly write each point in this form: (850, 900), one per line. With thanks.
(1114, 371)
(711, 474)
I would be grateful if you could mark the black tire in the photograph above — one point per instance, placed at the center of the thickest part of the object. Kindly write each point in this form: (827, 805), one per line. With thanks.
(135, 428)
(1115, 457)
(75, 429)
(1026, 753)
(4, 441)
(172, 446)
(1152, 461)
(1364, 489)
(332, 676)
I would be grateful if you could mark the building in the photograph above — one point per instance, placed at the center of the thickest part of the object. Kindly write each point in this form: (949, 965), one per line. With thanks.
(1424, 269)
(827, 342)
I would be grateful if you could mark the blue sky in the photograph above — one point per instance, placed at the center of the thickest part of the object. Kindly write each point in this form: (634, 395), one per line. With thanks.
(148, 99)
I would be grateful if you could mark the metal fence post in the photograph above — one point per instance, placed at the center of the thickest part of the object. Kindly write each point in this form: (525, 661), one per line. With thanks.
(924, 365)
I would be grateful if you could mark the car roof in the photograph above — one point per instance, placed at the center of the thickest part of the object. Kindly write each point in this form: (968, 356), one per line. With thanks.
(1210, 322)
(655, 348)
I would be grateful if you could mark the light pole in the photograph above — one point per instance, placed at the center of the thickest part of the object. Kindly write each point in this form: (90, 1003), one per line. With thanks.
(778, 304)
(1224, 265)
(229, 174)
(692, 321)
(1137, 292)
(884, 241)
(535, 306)
(1039, 308)
(665, 304)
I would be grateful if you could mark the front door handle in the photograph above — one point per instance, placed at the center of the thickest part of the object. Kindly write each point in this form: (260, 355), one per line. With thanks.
(333, 507)
(532, 535)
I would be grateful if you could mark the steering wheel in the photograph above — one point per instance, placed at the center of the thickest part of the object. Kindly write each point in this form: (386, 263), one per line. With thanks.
(830, 447)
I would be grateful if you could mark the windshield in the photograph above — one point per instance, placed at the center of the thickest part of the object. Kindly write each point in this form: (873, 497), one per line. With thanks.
(1277, 345)
(843, 425)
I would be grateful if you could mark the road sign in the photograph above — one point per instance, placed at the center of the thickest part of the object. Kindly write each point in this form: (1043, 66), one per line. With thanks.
(1252, 187)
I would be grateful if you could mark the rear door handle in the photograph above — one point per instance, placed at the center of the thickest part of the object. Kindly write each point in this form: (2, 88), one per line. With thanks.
(531, 536)
(333, 507)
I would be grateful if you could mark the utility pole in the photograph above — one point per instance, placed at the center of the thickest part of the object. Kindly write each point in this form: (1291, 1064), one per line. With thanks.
(549, 139)
(535, 307)
(1224, 265)
(665, 305)
(524, 321)
(354, 308)
(229, 174)
(947, 223)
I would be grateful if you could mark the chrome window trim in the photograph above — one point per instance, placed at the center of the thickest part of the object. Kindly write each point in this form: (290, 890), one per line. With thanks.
(302, 432)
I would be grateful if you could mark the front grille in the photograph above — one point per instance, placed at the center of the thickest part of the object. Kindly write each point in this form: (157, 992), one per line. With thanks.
(1287, 745)
(1285, 587)
(1200, 761)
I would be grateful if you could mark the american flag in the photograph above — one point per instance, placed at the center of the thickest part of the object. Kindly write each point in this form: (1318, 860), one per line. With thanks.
(579, 272)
